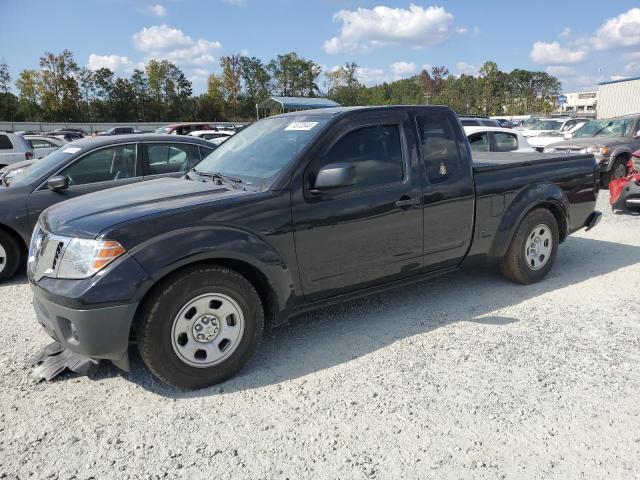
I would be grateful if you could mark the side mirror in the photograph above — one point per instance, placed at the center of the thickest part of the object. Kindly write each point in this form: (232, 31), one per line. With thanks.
(638, 134)
(59, 182)
(568, 136)
(335, 175)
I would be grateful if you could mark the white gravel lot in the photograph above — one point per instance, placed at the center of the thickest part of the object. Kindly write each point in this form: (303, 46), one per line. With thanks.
(465, 376)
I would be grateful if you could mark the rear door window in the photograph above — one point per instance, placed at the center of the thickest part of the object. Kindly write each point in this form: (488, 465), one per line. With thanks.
(5, 143)
(505, 142)
(440, 147)
(480, 142)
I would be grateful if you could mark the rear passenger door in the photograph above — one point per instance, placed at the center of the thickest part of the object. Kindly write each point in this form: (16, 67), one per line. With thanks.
(505, 142)
(169, 159)
(448, 192)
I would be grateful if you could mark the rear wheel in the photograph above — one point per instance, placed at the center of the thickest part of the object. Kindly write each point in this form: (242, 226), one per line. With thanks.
(533, 248)
(618, 170)
(9, 256)
(200, 327)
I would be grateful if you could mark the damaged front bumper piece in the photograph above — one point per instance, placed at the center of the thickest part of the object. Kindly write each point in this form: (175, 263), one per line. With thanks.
(54, 359)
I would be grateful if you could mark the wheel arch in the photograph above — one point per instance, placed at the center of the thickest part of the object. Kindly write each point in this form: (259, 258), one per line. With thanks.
(540, 195)
(17, 237)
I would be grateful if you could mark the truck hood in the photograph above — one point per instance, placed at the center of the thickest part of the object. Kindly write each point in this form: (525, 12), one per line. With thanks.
(576, 143)
(89, 215)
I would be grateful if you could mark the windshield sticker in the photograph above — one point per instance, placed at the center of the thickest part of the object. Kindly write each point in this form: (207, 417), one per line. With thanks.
(301, 125)
(71, 150)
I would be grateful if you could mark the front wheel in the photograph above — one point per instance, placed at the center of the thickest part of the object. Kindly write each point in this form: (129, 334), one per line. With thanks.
(533, 248)
(10, 256)
(200, 327)
(618, 170)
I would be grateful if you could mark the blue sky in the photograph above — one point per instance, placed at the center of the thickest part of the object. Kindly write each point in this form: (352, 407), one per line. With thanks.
(582, 42)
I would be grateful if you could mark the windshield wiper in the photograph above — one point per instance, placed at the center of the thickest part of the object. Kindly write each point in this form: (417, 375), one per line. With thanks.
(233, 181)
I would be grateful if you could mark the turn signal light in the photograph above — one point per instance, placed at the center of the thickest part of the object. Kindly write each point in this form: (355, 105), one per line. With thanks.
(110, 251)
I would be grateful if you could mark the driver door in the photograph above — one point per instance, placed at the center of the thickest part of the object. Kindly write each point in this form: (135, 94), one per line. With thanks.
(103, 168)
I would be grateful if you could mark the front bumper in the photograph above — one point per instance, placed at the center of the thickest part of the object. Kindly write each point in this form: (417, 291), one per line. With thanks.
(99, 333)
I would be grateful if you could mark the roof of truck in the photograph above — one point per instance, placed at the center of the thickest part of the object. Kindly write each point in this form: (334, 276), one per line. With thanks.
(338, 110)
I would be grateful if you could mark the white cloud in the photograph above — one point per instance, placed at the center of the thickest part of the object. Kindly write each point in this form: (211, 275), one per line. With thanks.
(371, 76)
(465, 68)
(364, 29)
(115, 63)
(566, 32)
(560, 71)
(617, 77)
(553, 54)
(632, 67)
(427, 67)
(402, 69)
(165, 42)
(620, 31)
(155, 10)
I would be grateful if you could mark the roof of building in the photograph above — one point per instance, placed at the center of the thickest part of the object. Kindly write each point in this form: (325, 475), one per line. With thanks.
(289, 103)
(620, 80)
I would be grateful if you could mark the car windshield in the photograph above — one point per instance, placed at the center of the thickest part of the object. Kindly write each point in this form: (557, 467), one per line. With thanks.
(258, 153)
(34, 172)
(605, 128)
(529, 122)
(547, 125)
(162, 130)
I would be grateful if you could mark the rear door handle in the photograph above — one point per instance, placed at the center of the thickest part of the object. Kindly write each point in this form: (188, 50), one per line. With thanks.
(407, 202)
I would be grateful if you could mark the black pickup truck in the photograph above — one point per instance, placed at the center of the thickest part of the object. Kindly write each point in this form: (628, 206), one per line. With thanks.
(295, 212)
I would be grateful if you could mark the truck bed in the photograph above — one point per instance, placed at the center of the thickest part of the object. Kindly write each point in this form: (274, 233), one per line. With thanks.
(488, 161)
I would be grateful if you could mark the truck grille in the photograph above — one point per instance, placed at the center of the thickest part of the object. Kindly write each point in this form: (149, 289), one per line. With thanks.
(45, 252)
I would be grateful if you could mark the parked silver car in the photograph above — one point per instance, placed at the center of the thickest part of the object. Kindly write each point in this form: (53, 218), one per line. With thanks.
(14, 148)
(43, 145)
(611, 141)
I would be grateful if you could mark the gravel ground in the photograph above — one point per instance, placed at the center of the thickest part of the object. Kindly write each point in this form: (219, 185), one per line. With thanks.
(465, 376)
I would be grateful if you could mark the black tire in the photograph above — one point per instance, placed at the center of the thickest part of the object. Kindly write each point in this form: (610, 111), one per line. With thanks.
(619, 165)
(514, 265)
(155, 323)
(10, 260)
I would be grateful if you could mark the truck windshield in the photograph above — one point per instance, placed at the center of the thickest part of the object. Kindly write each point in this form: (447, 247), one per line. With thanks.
(258, 153)
(604, 128)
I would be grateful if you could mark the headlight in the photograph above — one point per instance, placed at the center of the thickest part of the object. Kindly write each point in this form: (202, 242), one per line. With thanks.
(596, 150)
(549, 150)
(83, 258)
(13, 173)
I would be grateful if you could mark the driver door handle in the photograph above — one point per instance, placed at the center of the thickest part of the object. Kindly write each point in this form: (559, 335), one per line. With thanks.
(407, 202)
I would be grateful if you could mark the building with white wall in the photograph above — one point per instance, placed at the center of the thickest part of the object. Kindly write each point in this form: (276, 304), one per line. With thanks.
(619, 97)
(581, 103)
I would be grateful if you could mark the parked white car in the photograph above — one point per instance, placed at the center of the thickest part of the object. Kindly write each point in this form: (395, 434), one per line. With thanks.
(540, 142)
(43, 145)
(13, 148)
(545, 125)
(496, 139)
(213, 134)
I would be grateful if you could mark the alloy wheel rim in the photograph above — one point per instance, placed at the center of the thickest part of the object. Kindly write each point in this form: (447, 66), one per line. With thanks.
(620, 171)
(3, 258)
(538, 247)
(207, 330)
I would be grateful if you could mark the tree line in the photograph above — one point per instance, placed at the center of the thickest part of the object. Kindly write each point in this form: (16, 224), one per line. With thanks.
(62, 91)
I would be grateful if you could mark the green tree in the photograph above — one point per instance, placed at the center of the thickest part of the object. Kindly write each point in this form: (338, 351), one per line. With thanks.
(8, 101)
(29, 90)
(294, 76)
(232, 82)
(343, 85)
(58, 85)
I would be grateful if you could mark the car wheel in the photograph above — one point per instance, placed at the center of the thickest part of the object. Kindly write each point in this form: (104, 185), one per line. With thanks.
(10, 256)
(533, 248)
(200, 327)
(618, 170)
